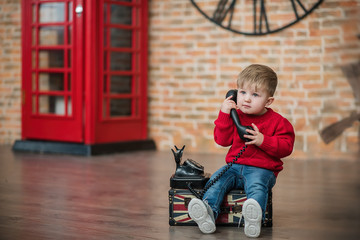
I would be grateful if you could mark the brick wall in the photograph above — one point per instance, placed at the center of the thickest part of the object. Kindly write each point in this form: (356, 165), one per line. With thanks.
(192, 63)
(10, 71)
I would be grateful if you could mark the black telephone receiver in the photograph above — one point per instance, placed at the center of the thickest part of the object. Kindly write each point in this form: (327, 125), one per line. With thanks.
(240, 128)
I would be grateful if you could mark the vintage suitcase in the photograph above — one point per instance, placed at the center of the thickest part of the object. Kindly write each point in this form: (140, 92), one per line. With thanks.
(230, 211)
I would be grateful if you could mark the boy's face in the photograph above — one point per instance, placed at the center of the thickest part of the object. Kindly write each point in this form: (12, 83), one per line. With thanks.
(251, 100)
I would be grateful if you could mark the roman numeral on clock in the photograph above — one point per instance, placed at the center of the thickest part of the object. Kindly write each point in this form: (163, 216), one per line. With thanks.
(258, 23)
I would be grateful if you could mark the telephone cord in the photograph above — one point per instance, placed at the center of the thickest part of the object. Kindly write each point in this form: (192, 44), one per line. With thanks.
(200, 194)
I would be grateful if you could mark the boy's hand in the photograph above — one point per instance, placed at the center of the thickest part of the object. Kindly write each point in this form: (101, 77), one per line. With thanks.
(227, 105)
(257, 137)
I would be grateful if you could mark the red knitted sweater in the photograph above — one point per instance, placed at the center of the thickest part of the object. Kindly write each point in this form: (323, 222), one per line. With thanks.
(278, 141)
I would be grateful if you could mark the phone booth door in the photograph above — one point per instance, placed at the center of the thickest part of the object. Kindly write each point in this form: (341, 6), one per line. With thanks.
(52, 71)
(122, 85)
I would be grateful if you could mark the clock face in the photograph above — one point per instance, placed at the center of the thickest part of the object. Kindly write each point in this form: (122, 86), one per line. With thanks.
(255, 17)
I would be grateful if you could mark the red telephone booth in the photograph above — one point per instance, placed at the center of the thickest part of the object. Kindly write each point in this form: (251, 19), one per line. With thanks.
(84, 76)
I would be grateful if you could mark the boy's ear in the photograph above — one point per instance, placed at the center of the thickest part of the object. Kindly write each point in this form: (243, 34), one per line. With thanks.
(269, 101)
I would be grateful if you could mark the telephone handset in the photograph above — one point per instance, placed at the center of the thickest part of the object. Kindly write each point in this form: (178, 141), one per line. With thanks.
(240, 128)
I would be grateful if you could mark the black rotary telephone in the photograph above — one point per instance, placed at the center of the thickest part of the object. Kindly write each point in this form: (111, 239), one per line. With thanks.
(191, 174)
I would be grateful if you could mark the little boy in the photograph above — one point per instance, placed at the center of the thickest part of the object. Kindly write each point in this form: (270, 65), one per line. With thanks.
(255, 171)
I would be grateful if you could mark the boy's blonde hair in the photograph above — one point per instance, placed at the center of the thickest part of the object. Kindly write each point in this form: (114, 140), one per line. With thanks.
(261, 76)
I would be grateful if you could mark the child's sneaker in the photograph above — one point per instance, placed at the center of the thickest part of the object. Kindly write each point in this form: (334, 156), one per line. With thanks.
(252, 216)
(202, 214)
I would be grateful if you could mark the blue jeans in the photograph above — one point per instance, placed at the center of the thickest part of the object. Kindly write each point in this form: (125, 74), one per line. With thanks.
(257, 182)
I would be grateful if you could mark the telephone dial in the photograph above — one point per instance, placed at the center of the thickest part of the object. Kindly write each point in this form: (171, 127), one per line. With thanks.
(191, 174)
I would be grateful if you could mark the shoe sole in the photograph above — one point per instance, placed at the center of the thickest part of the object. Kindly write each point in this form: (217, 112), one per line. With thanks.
(252, 216)
(198, 212)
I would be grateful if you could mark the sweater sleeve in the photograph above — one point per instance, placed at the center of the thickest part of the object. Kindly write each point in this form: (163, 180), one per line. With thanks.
(281, 144)
(224, 129)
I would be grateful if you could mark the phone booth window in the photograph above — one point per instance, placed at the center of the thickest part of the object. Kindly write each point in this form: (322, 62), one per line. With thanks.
(51, 58)
(121, 56)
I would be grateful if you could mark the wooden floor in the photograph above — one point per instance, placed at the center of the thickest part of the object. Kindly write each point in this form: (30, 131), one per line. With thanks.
(125, 196)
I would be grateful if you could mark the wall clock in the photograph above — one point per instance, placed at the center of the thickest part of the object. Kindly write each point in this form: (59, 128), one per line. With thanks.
(255, 17)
